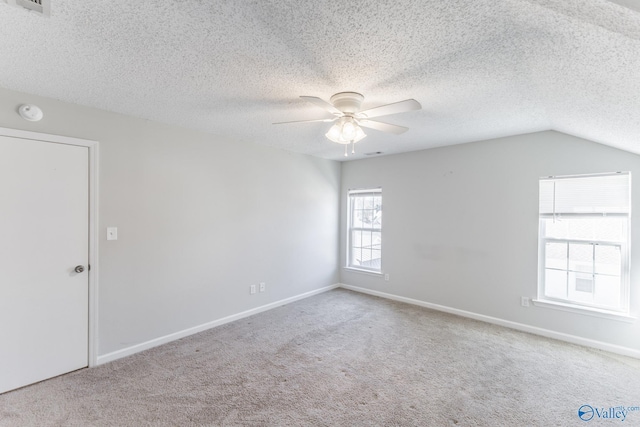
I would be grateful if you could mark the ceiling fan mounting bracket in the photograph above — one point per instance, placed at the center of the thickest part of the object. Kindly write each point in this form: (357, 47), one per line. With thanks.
(347, 102)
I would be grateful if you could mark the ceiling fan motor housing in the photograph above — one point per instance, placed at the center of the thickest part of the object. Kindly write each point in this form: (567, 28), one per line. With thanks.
(347, 102)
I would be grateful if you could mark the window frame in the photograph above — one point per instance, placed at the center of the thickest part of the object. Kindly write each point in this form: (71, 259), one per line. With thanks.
(350, 229)
(623, 308)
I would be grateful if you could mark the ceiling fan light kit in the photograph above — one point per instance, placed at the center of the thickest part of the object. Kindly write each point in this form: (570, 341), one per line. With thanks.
(345, 106)
(345, 131)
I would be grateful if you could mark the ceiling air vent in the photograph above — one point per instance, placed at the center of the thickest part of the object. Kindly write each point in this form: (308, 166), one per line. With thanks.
(41, 7)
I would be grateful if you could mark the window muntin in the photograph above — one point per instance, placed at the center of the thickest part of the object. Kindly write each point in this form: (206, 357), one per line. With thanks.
(584, 250)
(364, 247)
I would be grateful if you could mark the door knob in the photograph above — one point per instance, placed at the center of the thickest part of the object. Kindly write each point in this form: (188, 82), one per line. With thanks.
(79, 269)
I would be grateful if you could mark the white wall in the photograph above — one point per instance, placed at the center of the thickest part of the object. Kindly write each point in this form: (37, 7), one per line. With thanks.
(199, 219)
(460, 227)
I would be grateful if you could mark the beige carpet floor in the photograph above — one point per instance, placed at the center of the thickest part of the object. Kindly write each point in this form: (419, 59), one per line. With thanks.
(341, 359)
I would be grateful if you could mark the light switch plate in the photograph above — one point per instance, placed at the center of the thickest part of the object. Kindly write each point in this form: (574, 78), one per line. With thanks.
(112, 233)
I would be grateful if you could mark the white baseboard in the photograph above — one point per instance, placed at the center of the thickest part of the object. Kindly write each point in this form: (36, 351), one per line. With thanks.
(194, 330)
(625, 351)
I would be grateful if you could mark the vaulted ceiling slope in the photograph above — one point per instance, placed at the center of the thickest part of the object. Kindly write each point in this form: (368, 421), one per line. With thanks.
(481, 69)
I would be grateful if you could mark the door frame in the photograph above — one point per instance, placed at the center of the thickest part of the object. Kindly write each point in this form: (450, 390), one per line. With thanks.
(93, 223)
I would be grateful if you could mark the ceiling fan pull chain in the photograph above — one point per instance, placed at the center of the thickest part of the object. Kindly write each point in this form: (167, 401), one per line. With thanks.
(346, 146)
(353, 147)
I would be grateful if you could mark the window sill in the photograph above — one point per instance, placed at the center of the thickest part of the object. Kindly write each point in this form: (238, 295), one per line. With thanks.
(588, 311)
(360, 270)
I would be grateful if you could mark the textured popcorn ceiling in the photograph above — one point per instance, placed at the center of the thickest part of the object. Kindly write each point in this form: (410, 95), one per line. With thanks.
(481, 69)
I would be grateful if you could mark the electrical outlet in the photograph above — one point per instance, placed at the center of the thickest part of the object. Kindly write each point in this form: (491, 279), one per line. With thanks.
(252, 289)
(262, 286)
(524, 301)
(386, 277)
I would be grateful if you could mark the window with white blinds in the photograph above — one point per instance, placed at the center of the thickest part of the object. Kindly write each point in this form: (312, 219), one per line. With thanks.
(584, 240)
(364, 238)
(578, 195)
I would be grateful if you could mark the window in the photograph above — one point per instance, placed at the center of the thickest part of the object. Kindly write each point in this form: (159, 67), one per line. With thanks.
(364, 246)
(584, 241)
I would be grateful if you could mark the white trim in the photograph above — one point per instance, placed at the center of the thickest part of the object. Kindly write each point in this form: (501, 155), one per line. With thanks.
(37, 136)
(372, 190)
(93, 222)
(362, 270)
(118, 354)
(94, 236)
(585, 310)
(625, 351)
(586, 175)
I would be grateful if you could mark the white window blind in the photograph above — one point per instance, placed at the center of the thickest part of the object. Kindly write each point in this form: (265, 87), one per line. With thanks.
(365, 193)
(604, 194)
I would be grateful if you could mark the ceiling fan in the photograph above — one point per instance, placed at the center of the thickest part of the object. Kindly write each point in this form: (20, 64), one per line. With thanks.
(345, 106)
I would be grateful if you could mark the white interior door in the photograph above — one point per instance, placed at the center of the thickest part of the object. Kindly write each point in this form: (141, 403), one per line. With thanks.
(44, 225)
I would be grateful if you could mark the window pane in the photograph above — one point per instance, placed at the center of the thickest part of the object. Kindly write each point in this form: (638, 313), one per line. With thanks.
(376, 240)
(357, 218)
(556, 255)
(558, 229)
(606, 228)
(377, 203)
(607, 292)
(377, 219)
(356, 247)
(581, 287)
(366, 239)
(584, 283)
(375, 259)
(581, 228)
(366, 256)
(555, 284)
(358, 202)
(367, 217)
(356, 238)
(356, 256)
(368, 202)
(608, 260)
(610, 229)
(581, 257)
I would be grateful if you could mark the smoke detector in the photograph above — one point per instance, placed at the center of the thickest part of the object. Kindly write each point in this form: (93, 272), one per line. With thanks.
(40, 7)
(30, 112)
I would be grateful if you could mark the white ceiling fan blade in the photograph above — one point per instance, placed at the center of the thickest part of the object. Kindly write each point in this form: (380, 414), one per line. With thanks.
(395, 108)
(384, 127)
(322, 104)
(308, 121)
